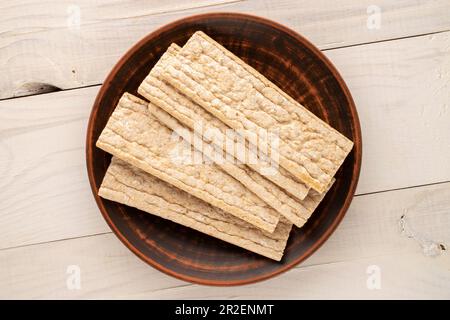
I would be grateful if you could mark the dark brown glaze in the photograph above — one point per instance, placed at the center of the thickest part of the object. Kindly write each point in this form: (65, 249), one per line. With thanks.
(297, 67)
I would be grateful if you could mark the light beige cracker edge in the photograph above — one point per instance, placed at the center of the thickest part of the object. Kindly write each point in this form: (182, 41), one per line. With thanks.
(242, 98)
(190, 113)
(135, 136)
(133, 187)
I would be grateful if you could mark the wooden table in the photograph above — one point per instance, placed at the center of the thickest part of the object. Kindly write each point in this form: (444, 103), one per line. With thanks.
(395, 239)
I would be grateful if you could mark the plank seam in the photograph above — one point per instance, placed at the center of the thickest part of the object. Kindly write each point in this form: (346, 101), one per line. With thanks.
(323, 50)
(110, 232)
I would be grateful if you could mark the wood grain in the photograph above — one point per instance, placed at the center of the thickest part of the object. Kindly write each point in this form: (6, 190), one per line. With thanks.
(41, 138)
(64, 45)
(369, 235)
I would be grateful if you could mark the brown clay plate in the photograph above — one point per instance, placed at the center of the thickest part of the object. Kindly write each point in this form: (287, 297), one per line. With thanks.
(297, 67)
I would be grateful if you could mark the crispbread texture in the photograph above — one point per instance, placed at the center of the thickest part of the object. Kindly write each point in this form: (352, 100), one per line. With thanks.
(133, 187)
(295, 211)
(242, 98)
(135, 136)
(190, 114)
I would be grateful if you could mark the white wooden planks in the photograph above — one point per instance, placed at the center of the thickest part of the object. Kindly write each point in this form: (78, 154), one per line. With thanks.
(46, 193)
(68, 44)
(368, 236)
(401, 89)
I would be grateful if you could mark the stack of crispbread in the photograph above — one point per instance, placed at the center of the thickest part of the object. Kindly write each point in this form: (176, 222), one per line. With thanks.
(233, 199)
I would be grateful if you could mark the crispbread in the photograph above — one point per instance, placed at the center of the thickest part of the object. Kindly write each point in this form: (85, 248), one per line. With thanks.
(244, 99)
(295, 211)
(190, 113)
(133, 187)
(136, 137)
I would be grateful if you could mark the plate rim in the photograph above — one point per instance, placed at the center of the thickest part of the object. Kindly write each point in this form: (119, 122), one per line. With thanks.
(357, 145)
